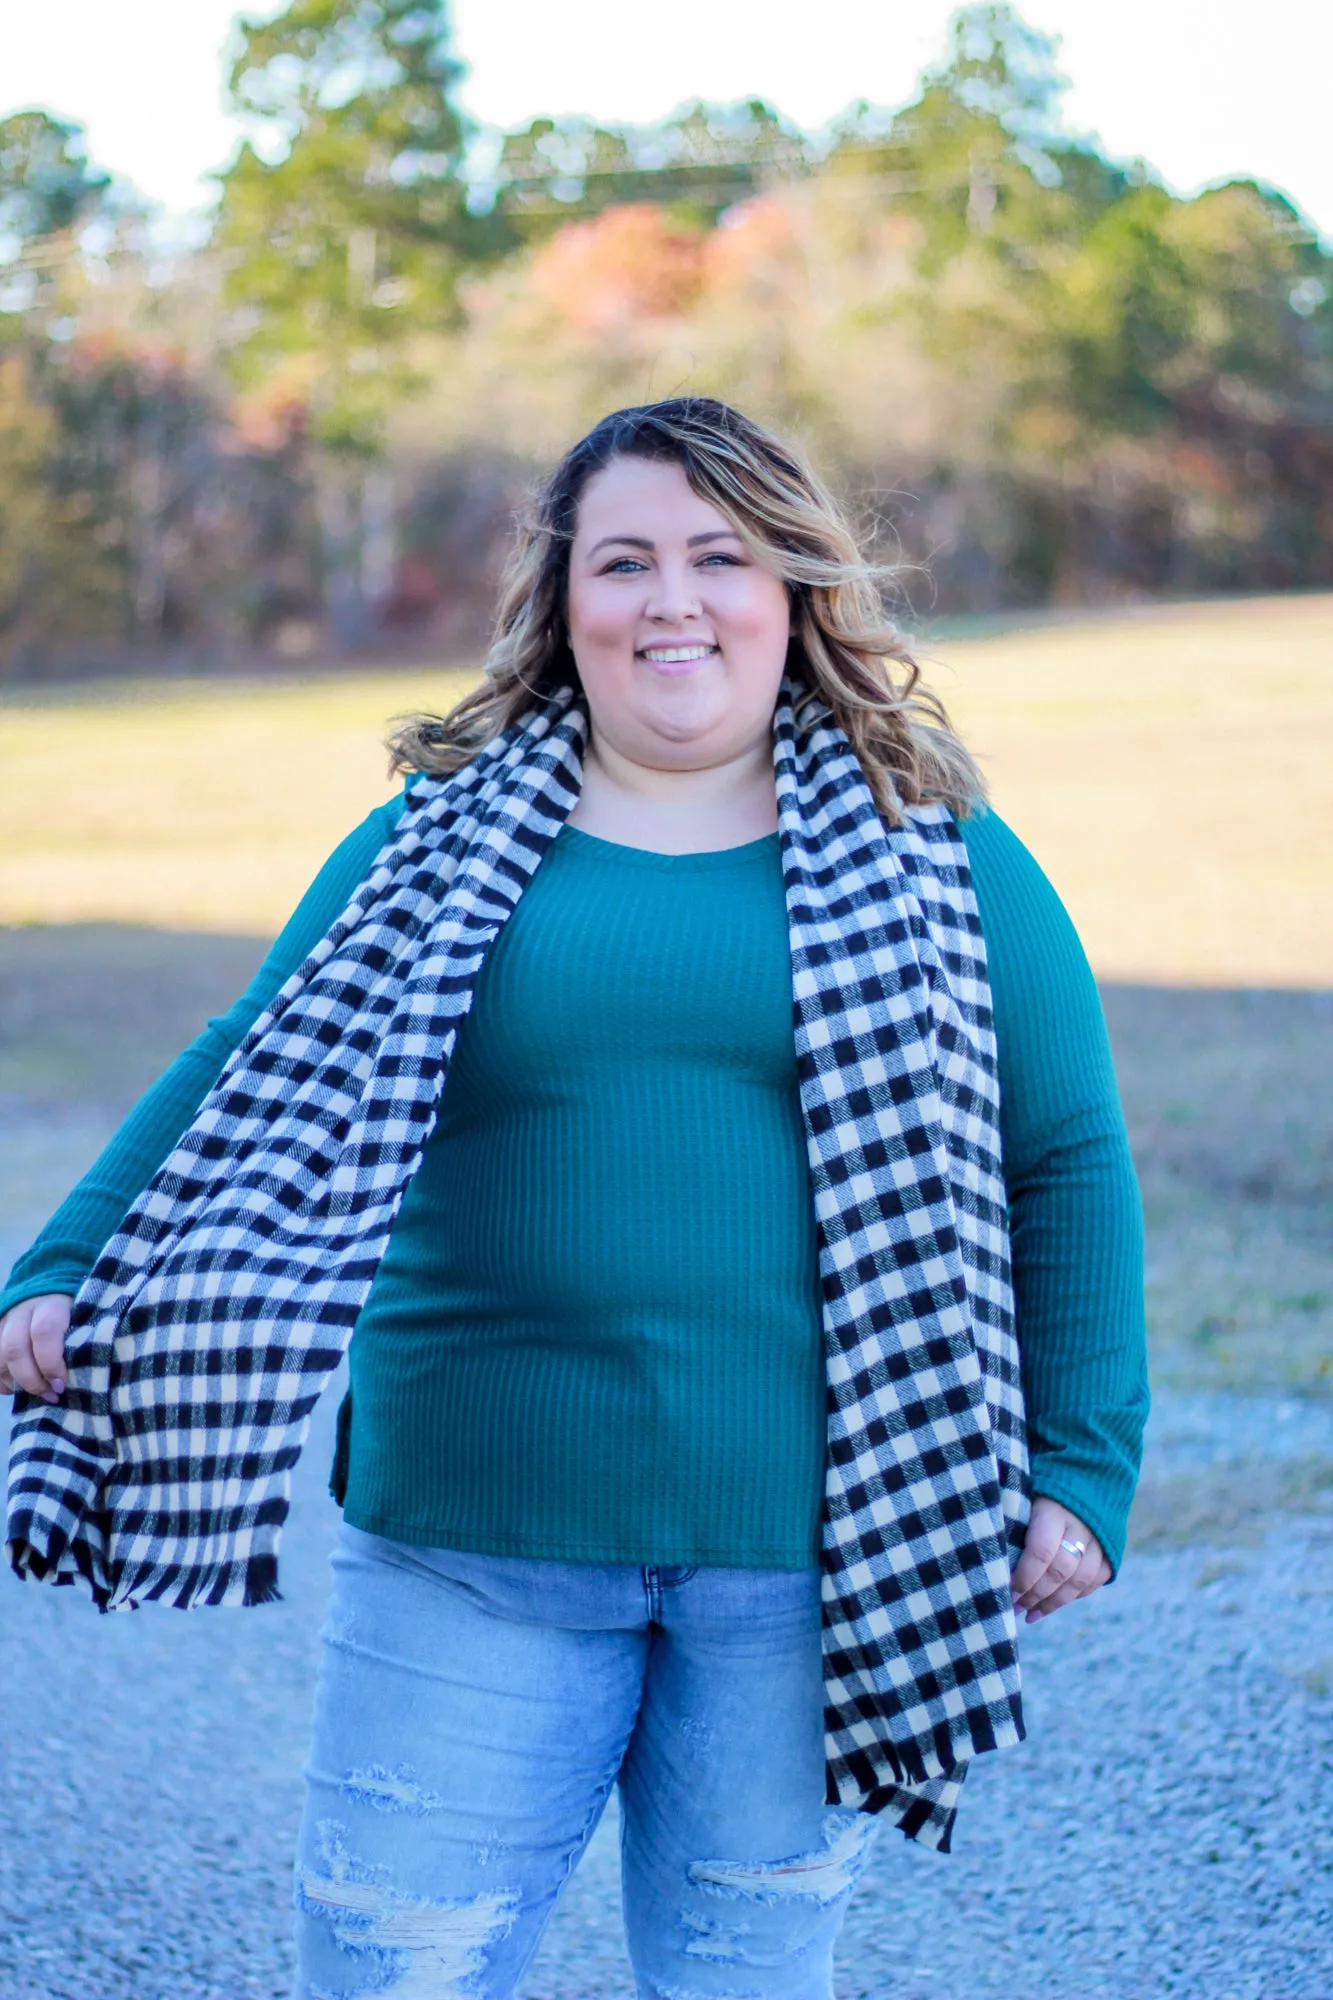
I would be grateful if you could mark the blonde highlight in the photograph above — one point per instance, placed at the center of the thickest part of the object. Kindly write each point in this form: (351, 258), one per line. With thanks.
(845, 650)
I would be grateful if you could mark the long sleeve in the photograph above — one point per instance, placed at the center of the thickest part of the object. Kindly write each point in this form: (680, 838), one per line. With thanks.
(1075, 1212)
(64, 1253)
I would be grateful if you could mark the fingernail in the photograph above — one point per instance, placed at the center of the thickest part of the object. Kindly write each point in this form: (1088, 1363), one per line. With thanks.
(47, 1397)
(1033, 1616)
(58, 1385)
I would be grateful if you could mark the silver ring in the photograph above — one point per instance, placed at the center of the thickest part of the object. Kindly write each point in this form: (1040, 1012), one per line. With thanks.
(1074, 1548)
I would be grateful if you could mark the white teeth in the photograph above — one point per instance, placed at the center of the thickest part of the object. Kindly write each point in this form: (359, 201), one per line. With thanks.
(670, 655)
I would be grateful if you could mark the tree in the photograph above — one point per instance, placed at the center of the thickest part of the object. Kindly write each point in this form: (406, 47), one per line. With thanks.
(46, 182)
(627, 265)
(48, 190)
(980, 159)
(25, 439)
(344, 227)
(343, 222)
(701, 161)
(1001, 67)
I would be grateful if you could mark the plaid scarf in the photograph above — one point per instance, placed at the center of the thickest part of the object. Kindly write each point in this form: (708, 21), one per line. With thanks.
(214, 1318)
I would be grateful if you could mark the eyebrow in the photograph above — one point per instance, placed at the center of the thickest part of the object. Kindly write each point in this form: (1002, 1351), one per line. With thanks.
(640, 541)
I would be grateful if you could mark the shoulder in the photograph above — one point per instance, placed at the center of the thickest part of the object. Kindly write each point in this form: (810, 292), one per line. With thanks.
(380, 825)
(346, 867)
(1009, 881)
(1036, 957)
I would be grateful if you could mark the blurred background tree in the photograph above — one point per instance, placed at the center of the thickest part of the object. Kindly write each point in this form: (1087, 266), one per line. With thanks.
(343, 223)
(342, 229)
(48, 190)
(1040, 374)
(700, 162)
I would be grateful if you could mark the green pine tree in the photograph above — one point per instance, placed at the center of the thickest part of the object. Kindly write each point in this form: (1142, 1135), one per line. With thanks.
(343, 224)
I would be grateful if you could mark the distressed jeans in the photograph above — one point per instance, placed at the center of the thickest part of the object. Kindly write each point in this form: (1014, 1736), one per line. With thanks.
(473, 1714)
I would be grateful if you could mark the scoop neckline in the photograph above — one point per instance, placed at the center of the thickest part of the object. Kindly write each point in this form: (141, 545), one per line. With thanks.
(744, 854)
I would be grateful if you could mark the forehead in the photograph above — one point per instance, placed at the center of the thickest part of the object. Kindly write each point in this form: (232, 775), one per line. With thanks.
(647, 498)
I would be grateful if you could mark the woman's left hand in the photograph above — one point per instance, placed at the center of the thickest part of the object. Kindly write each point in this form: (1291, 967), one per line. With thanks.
(1051, 1571)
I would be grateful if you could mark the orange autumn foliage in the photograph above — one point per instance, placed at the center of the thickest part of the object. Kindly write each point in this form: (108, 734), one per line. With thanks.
(630, 263)
(754, 251)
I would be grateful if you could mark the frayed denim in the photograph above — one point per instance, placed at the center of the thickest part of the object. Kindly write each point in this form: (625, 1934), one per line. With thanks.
(473, 1714)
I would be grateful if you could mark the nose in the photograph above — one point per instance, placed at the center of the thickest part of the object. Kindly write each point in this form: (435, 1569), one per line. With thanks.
(675, 594)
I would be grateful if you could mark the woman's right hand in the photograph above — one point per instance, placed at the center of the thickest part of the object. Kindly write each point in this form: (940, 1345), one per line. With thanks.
(32, 1346)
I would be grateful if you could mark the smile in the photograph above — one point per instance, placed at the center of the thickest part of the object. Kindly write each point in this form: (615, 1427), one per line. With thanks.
(675, 656)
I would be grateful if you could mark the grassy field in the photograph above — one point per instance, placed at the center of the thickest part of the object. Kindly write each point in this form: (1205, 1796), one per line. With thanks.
(1169, 767)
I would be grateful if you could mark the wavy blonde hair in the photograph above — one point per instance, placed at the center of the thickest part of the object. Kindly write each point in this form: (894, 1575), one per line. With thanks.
(844, 649)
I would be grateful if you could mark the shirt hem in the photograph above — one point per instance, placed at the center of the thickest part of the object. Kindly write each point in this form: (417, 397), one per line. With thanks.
(541, 1549)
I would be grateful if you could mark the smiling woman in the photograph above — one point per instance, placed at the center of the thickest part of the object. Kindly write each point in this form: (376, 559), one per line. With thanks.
(695, 1110)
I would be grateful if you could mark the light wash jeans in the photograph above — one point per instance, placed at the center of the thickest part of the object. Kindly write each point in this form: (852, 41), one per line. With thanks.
(473, 1714)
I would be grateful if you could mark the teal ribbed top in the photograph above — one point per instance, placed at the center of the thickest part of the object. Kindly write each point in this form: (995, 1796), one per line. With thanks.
(595, 1334)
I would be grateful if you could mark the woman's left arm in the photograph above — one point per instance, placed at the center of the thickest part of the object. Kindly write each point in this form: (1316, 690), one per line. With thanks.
(1077, 1228)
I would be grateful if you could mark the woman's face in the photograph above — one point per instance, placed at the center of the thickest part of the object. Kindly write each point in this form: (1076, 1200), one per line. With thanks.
(679, 635)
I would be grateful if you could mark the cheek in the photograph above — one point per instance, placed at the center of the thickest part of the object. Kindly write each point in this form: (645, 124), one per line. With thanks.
(599, 619)
(757, 617)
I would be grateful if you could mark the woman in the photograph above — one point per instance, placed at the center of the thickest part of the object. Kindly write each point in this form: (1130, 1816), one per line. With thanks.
(684, 1305)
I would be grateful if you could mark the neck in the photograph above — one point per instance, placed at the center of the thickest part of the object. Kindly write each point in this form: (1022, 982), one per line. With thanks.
(676, 811)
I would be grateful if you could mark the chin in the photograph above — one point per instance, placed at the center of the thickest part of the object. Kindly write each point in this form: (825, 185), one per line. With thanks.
(683, 714)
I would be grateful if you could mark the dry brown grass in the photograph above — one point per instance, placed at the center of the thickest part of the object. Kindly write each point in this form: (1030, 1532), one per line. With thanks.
(1171, 770)
(1169, 767)
(192, 805)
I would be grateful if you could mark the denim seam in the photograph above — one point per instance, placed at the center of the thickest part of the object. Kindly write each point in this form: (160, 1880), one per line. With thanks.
(579, 1847)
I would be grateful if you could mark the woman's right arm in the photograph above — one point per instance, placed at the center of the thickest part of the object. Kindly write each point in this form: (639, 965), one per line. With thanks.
(43, 1282)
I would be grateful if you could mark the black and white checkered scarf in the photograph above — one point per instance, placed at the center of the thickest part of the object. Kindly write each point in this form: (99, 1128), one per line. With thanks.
(213, 1320)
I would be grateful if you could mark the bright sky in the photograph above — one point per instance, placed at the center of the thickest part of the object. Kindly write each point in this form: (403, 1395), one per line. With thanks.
(1200, 88)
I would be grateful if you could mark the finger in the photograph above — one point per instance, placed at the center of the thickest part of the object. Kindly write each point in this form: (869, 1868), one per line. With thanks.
(1060, 1561)
(1059, 1572)
(49, 1325)
(23, 1364)
(1040, 1542)
(1067, 1593)
(1092, 1572)
(1057, 1534)
(9, 1345)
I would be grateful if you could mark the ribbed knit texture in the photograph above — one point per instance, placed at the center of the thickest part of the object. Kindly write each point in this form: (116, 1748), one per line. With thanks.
(595, 1335)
